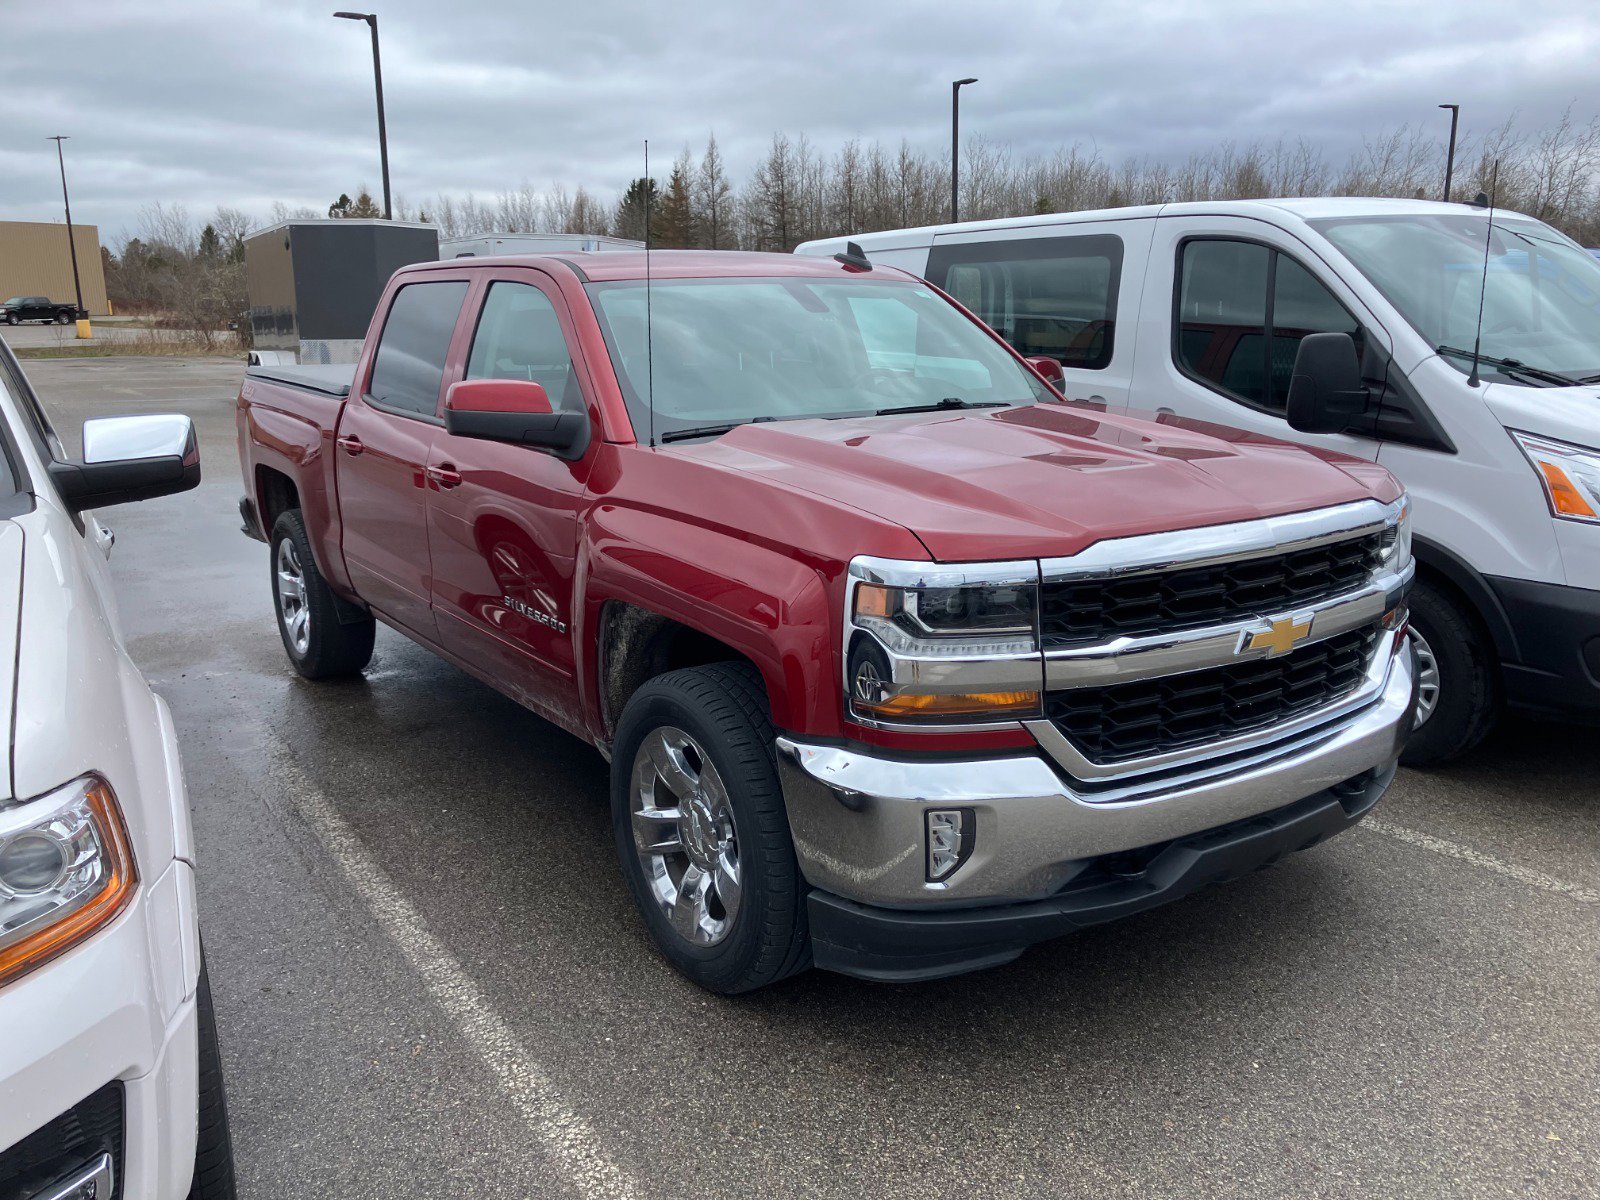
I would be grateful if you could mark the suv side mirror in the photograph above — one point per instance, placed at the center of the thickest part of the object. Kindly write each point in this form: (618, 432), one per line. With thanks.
(130, 458)
(1326, 394)
(514, 410)
(1050, 368)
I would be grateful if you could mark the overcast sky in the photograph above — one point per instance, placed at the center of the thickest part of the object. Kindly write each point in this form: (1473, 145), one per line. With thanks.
(207, 102)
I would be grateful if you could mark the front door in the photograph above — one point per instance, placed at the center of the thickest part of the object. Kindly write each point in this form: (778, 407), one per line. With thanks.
(381, 453)
(503, 519)
(1242, 295)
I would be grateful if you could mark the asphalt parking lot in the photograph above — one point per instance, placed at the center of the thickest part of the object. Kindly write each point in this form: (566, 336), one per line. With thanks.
(431, 981)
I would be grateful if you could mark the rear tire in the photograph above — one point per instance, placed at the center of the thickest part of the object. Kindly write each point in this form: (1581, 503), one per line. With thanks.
(318, 643)
(723, 898)
(1468, 678)
(213, 1152)
(63, 319)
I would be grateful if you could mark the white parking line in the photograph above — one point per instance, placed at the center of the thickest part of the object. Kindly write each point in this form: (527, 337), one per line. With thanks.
(1534, 879)
(566, 1137)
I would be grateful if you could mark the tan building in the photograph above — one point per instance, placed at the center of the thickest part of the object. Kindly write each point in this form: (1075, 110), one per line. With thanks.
(34, 262)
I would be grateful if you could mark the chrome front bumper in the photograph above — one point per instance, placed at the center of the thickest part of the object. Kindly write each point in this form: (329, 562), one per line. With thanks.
(859, 820)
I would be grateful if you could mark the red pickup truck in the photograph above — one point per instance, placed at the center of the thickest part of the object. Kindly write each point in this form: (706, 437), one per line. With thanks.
(901, 663)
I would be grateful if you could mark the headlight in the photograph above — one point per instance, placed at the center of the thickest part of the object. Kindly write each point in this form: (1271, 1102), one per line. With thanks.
(65, 871)
(1569, 474)
(1395, 550)
(928, 644)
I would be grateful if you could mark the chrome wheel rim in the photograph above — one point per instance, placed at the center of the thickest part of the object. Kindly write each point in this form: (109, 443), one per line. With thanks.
(683, 833)
(1427, 677)
(293, 611)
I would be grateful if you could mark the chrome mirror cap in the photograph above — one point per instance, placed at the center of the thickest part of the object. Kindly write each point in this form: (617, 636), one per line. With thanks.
(123, 439)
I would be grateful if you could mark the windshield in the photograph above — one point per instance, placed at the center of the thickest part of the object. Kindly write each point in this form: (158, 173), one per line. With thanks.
(13, 300)
(1541, 292)
(727, 351)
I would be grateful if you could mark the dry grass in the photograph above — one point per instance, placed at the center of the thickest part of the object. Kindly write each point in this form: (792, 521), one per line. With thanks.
(139, 343)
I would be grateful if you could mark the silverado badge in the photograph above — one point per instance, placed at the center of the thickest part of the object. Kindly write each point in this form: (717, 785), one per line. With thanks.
(1280, 637)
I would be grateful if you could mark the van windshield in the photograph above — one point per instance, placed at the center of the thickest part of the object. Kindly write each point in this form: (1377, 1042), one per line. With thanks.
(1541, 292)
(726, 351)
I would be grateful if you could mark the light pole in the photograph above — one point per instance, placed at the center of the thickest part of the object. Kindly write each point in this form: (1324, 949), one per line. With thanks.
(1450, 156)
(377, 75)
(72, 245)
(955, 147)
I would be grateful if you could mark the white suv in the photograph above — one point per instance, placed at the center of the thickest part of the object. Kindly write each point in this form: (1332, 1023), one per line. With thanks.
(110, 1080)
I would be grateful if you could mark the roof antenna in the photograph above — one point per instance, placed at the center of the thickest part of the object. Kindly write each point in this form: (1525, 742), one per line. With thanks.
(854, 257)
(649, 325)
(1474, 379)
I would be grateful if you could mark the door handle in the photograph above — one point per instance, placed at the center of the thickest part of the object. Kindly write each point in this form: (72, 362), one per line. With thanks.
(445, 475)
(351, 444)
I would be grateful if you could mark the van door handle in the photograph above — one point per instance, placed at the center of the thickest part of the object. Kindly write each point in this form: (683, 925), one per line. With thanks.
(445, 475)
(351, 444)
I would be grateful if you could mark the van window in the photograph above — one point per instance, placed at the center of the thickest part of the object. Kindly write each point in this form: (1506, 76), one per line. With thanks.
(408, 368)
(1049, 297)
(1242, 309)
(519, 337)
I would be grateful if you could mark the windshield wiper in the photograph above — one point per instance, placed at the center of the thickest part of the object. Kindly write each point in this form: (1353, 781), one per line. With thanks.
(683, 435)
(1510, 366)
(949, 402)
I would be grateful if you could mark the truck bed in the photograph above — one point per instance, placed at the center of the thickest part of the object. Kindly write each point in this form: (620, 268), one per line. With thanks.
(334, 380)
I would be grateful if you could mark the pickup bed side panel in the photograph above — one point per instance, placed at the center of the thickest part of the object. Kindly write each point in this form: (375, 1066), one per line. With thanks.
(291, 430)
(768, 605)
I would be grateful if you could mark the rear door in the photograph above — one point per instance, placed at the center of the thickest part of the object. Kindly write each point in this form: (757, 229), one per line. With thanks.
(503, 519)
(1227, 301)
(1055, 291)
(385, 434)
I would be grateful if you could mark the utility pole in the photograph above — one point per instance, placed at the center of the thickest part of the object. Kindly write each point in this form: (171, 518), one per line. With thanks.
(72, 246)
(377, 76)
(955, 147)
(1450, 156)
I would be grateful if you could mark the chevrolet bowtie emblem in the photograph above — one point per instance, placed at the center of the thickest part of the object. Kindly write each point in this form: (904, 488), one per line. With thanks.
(1282, 636)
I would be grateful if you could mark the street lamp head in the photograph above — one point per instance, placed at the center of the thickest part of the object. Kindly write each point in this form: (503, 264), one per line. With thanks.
(350, 16)
(961, 82)
(1451, 107)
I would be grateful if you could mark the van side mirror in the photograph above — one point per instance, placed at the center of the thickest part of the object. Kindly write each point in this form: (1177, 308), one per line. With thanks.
(517, 411)
(1050, 368)
(1326, 394)
(130, 458)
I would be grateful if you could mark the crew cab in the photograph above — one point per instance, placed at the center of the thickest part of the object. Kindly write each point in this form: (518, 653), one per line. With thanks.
(901, 663)
(18, 309)
(110, 1075)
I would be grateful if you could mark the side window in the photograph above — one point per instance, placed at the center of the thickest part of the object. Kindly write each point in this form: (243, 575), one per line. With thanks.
(1242, 309)
(408, 369)
(519, 337)
(1052, 297)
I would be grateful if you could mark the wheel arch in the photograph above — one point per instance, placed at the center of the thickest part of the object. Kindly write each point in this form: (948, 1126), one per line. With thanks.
(1454, 575)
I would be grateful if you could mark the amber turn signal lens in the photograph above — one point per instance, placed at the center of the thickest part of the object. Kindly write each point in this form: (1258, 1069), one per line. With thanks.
(872, 600)
(1564, 494)
(98, 899)
(959, 704)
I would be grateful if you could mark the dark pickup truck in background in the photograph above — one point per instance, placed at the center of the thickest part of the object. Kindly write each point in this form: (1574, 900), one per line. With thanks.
(37, 308)
(901, 663)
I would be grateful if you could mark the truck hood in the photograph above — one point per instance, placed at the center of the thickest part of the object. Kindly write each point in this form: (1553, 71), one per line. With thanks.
(10, 620)
(1043, 480)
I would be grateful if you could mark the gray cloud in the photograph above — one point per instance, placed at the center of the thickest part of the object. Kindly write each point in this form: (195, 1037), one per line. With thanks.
(202, 103)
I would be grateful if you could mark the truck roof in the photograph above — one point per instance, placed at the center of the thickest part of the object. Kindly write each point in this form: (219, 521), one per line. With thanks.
(605, 266)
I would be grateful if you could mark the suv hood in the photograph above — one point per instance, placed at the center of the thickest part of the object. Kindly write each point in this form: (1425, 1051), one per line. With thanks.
(1046, 479)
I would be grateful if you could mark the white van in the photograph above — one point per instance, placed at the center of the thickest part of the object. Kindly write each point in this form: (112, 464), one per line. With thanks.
(1202, 310)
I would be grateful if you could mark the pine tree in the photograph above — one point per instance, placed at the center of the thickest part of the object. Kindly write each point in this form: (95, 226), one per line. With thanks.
(713, 201)
(632, 210)
(673, 222)
(210, 245)
(364, 206)
(341, 206)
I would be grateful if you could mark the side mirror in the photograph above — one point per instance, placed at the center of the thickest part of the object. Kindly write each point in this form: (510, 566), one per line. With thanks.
(514, 410)
(1050, 368)
(130, 458)
(1326, 394)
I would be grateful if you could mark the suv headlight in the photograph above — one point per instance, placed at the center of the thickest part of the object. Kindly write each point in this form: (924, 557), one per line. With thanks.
(1569, 474)
(927, 644)
(66, 870)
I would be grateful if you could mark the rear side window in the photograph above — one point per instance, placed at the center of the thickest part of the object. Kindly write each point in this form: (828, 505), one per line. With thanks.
(408, 369)
(1049, 297)
(1242, 309)
(519, 337)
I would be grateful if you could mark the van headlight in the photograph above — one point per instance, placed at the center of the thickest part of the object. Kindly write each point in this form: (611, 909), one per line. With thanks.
(1570, 476)
(928, 644)
(66, 870)
(1395, 550)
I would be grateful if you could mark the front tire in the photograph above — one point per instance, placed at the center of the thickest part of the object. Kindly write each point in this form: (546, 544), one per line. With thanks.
(63, 319)
(318, 643)
(702, 831)
(213, 1152)
(13, 319)
(1458, 678)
